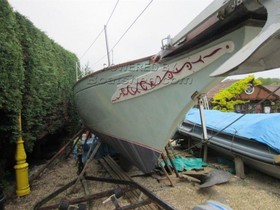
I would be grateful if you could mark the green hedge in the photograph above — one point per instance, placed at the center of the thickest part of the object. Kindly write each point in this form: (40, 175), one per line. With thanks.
(49, 77)
(36, 76)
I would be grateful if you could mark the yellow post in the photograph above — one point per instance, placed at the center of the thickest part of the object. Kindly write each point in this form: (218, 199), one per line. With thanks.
(21, 166)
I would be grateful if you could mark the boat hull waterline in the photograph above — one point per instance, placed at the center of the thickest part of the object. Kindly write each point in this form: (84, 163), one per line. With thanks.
(136, 107)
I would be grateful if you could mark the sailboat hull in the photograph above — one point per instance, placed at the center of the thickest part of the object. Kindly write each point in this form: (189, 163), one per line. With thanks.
(136, 107)
(140, 126)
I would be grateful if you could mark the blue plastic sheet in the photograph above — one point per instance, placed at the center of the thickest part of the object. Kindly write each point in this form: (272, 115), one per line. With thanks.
(264, 128)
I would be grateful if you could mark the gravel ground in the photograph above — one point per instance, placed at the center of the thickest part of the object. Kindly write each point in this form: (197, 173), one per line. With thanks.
(256, 191)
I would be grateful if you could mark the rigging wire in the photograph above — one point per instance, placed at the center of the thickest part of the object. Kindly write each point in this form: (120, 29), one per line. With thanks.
(125, 31)
(112, 12)
(92, 43)
(255, 105)
(100, 59)
(132, 24)
(101, 30)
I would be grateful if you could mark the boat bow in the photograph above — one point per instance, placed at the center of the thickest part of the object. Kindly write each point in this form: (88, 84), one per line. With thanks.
(261, 53)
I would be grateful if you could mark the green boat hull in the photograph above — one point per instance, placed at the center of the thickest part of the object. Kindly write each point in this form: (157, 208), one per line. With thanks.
(136, 107)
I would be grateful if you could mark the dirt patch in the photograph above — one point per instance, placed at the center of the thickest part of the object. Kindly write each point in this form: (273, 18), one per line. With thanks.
(256, 191)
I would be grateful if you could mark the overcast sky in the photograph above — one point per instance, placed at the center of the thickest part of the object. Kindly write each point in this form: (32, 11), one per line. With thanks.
(75, 25)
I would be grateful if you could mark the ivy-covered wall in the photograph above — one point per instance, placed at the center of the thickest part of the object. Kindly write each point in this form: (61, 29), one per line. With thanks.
(36, 77)
(225, 100)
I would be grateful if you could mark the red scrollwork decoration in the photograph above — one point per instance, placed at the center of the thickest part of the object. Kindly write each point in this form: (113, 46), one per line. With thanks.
(144, 85)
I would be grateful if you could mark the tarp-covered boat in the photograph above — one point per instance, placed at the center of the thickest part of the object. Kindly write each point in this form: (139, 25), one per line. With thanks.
(254, 137)
(136, 106)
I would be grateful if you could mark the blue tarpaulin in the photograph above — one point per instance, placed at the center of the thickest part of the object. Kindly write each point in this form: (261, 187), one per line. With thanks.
(264, 128)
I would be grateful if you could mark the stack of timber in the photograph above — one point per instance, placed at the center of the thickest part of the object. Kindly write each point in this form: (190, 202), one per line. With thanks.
(116, 172)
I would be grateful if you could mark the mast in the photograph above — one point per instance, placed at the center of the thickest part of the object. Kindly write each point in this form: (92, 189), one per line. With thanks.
(107, 46)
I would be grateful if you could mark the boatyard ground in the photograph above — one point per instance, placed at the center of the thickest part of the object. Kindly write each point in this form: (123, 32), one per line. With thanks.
(256, 191)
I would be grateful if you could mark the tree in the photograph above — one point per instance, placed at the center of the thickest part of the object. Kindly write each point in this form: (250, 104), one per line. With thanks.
(269, 81)
(225, 100)
(86, 70)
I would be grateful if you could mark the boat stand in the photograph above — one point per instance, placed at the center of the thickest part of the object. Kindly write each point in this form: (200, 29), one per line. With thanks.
(239, 164)
(169, 174)
(110, 195)
(199, 98)
(171, 161)
(165, 172)
(142, 197)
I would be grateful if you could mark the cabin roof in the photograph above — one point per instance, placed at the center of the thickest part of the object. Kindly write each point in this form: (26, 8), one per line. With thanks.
(217, 88)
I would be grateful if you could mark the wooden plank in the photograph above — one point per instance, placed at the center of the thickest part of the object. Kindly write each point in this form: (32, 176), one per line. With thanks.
(190, 178)
(166, 174)
(239, 167)
(166, 163)
(172, 163)
(115, 171)
(276, 159)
